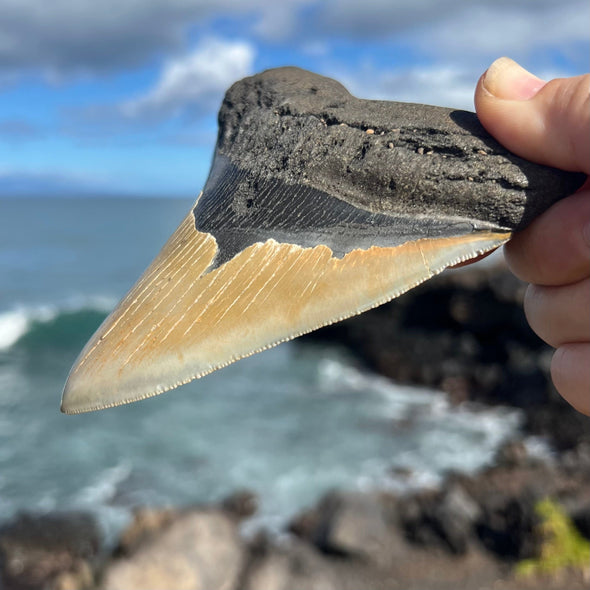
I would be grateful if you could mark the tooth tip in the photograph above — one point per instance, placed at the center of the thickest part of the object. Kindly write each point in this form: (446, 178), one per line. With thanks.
(76, 396)
(69, 403)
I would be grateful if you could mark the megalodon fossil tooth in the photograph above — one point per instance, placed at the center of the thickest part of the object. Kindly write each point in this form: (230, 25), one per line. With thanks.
(318, 206)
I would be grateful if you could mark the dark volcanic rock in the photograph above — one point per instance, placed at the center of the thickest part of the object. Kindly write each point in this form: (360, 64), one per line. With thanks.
(512, 454)
(493, 511)
(457, 332)
(36, 551)
(355, 525)
(507, 526)
(241, 504)
(507, 496)
(384, 157)
(443, 518)
(581, 518)
(465, 332)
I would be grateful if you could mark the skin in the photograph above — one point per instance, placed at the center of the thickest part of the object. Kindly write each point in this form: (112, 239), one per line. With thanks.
(549, 123)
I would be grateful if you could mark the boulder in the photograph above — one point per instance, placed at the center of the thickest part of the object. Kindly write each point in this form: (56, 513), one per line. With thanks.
(305, 524)
(351, 524)
(581, 519)
(443, 519)
(508, 526)
(240, 504)
(197, 550)
(52, 550)
(296, 565)
(147, 522)
(512, 454)
(454, 516)
(270, 572)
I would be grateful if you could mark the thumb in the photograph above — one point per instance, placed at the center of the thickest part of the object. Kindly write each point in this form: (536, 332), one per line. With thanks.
(545, 122)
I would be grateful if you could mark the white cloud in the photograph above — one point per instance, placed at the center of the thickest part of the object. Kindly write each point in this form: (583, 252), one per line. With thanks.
(452, 42)
(82, 35)
(517, 28)
(278, 20)
(449, 86)
(370, 19)
(442, 86)
(485, 25)
(61, 37)
(195, 81)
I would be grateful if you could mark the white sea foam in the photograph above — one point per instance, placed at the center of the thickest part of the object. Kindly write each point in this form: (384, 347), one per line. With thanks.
(13, 325)
(445, 437)
(99, 495)
(16, 322)
(289, 424)
(104, 488)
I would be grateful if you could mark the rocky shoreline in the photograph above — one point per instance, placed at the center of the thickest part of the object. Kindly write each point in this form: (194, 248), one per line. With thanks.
(464, 333)
(471, 533)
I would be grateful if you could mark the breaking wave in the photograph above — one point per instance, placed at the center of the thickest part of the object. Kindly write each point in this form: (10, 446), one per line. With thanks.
(62, 326)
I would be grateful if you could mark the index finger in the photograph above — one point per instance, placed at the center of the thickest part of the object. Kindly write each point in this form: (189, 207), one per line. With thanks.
(555, 248)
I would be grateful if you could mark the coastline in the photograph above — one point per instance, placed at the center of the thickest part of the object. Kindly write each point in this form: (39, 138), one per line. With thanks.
(470, 532)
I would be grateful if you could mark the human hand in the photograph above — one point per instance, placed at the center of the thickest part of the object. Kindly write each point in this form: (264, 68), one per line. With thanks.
(549, 123)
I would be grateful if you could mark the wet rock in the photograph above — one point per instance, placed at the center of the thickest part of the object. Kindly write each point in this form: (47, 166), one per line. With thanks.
(577, 458)
(444, 519)
(296, 565)
(351, 525)
(198, 550)
(457, 330)
(559, 422)
(416, 518)
(269, 572)
(147, 522)
(508, 526)
(454, 516)
(581, 519)
(495, 508)
(305, 524)
(512, 454)
(53, 550)
(465, 333)
(78, 578)
(507, 496)
(575, 500)
(241, 504)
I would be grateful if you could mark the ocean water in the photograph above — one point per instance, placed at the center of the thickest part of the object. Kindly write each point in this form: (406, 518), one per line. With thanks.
(289, 424)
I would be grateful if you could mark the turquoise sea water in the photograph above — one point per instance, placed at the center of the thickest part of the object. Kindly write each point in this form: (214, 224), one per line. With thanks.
(289, 424)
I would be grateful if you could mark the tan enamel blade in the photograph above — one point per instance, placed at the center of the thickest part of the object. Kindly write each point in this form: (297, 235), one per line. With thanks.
(180, 322)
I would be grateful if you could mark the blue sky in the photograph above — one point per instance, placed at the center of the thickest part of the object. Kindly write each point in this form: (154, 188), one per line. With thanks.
(120, 96)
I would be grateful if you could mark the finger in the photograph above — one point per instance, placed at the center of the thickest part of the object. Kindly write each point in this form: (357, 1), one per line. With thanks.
(570, 370)
(555, 248)
(559, 314)
(548, 123)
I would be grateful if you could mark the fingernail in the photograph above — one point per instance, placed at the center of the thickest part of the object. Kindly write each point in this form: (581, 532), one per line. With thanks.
(506, 79)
